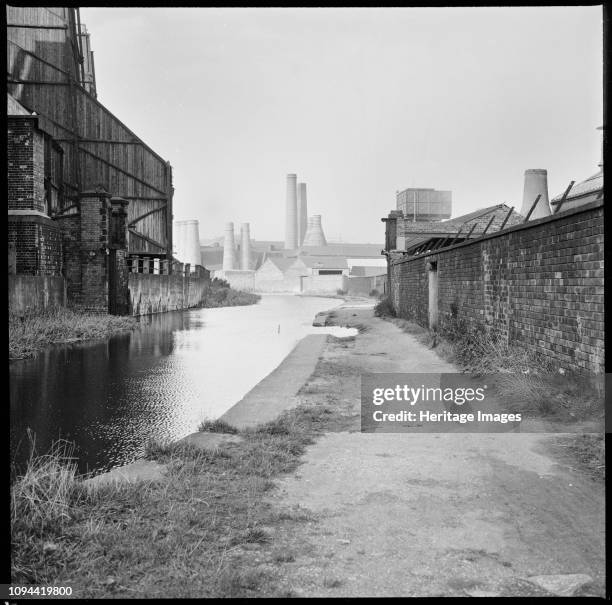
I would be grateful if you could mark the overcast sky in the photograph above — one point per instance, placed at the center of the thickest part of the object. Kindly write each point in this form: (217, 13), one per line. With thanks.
(358, 102)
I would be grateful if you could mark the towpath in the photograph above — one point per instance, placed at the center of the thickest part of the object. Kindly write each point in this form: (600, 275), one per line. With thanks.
(427, 514)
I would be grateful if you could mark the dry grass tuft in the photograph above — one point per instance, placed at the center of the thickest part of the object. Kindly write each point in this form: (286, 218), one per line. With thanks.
(217, 426)
(32, 331)
(180, 537)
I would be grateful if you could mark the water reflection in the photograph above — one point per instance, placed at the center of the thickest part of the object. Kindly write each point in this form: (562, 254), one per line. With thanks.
(161, 381)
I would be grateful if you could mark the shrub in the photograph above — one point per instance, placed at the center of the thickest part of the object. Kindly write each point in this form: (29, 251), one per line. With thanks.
(384, 308)
(217, 282)
(374, 293)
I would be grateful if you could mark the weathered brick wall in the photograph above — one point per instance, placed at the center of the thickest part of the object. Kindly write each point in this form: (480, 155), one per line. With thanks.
(38, 244)
(25, 164)
(70, 226)
(95, 221)
(540, 285)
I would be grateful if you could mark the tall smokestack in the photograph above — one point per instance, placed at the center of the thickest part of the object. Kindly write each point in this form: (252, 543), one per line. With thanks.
(179, 239)
(302, 212)
(314, 233)
(229, 252)
(291, 213)
(536, 183)
(191, 243)
(245, 247)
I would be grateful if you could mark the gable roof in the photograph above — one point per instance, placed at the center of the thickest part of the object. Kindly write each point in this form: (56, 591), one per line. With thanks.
(454, 224)
(280, 262)
(416, 234)
(591, 185)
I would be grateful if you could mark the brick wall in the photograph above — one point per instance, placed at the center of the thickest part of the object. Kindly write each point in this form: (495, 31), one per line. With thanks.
(25, 164)
(95, 220)
(539, 285)
(38, 244)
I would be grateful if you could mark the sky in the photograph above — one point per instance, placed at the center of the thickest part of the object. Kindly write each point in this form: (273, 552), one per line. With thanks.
(358, 102)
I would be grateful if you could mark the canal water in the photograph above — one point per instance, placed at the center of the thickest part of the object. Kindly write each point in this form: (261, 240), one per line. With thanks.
(159, 382)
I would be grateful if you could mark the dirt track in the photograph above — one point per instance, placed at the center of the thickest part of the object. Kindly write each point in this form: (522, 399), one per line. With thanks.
(429, 514)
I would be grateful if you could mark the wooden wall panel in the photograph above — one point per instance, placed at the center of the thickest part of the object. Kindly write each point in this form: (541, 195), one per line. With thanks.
(93, 139)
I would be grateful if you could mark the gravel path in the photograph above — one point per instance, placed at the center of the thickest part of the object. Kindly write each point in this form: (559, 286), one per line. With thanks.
(425, 514)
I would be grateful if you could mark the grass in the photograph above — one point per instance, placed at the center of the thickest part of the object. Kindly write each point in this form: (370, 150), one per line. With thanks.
(31, 332)
(588, 450)
(221, 294)
(181, 537)
(528, 381)
(384, 308)
(525, 381)
(216, 426)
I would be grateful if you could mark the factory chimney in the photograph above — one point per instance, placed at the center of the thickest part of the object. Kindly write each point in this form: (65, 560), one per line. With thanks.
(177, 240)
(191, 243)
(228, 248)
(536, 183)
(291, 235)
(314, 233)
(245, 247)
(302, 212)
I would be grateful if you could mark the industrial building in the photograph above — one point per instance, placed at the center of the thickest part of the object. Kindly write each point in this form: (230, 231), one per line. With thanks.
(424, 204)
(303, 263)
(584, 192)
(88, 201)
(533, 279)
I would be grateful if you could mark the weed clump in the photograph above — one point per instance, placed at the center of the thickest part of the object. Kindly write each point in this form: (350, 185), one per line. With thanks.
(217, 426)
(384, 308)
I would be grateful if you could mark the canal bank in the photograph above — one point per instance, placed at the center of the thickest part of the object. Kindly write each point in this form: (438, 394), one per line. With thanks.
(111, 397)
(306, 505)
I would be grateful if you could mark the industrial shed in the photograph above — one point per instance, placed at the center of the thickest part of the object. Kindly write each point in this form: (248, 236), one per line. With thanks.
(50, 72)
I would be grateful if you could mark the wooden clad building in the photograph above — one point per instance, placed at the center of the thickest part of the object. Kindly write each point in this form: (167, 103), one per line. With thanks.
(50, 71)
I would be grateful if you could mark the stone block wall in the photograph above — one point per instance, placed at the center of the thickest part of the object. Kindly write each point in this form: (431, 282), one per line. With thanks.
(540, 285)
